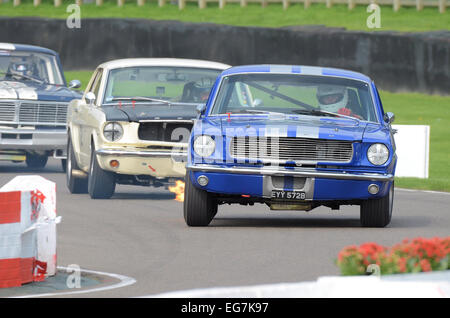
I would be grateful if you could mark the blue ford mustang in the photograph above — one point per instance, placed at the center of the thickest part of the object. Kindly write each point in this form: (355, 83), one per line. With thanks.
(294, 138)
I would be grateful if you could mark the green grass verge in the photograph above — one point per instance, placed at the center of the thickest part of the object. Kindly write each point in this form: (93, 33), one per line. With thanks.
(420, 109)
(409, 109)
(406, 19)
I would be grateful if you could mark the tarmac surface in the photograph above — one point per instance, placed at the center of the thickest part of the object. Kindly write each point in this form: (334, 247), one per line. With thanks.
(137, 243)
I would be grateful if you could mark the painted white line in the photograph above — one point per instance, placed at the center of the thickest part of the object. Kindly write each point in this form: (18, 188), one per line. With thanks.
(425, 191)
(124, 281)
(327, 287)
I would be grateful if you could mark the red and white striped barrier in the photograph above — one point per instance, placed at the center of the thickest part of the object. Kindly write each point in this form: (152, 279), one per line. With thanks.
(27, 230)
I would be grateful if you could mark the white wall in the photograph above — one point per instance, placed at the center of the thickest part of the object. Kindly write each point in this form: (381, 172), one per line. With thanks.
(413, 150)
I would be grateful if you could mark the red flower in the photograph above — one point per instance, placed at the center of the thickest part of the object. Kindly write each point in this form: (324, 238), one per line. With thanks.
(425, 265)
(402, 264)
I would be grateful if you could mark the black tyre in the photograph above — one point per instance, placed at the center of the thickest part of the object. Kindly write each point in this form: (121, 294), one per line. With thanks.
(75, 184)
(378, 212)
(101, 183)
(199, 206)
(64, 165)
(36, 161)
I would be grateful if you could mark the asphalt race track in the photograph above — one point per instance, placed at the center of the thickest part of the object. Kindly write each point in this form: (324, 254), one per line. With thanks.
(140, 233)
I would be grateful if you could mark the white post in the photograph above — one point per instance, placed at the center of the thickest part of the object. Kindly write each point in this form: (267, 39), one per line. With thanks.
(243, 3)
(16, 3)
(202, 4)
(36, 2)
(140, 3)
(222, 4)
(57, 3)
(419, 5)
(285, 4)
(442, 6)
(307, 4)
(329, 3)
(351, 4)
(396, 5)
(161, 3)
(181, 4)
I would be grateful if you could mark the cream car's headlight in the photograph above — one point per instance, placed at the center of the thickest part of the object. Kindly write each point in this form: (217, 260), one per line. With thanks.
(113, 131)
(204, 146)
(378, 154)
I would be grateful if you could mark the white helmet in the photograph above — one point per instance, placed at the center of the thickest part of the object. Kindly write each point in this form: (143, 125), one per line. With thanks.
(332, 97)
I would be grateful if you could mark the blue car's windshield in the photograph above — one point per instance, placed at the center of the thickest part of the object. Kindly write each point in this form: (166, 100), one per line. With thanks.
(294, 94)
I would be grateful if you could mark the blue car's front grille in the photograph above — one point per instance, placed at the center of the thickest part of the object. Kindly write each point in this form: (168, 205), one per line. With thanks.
(291, 149)
(33, 113)
(43, 113)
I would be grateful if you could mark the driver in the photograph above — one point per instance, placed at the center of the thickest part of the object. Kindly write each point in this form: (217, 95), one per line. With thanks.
(334, 99)
(193, 92)
(21, 68)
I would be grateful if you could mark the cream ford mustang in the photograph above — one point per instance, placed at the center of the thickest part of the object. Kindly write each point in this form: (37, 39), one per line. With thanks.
(133, 123)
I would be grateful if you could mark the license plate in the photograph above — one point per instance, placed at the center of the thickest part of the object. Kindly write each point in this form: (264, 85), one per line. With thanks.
(288, 195)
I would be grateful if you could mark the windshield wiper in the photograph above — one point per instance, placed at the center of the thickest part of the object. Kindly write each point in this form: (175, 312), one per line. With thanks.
(24, 76)
(255, 111)
(319, 112)
(141, 98)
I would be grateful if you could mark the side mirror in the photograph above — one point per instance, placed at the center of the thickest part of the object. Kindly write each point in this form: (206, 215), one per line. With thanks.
(201, 109)
(74, 84)
(257, 102)
(90, 98)
(389, 117)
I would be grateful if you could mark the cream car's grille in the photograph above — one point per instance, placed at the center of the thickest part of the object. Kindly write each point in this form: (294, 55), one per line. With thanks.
(33, 113)
(165, 131)
(285, 149)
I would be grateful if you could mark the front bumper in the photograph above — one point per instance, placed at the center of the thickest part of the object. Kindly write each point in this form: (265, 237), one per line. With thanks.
(133, 161)
(33, 139)
(317, 185)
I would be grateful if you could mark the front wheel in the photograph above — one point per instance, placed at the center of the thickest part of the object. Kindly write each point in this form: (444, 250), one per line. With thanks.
(199, 206)
(378, 212)
(101, 183)
(75, 184)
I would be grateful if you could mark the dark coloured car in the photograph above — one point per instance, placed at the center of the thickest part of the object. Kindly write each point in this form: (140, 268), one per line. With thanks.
(33, 105)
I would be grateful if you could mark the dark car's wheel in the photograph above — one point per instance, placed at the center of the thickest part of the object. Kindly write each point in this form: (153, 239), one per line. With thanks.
(378, 212)
(199, 206)
(101, 184)
(36, 161)
(75, 184)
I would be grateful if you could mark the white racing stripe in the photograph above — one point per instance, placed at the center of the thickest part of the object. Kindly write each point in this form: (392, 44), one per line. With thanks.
(124, 281)
(7, 46)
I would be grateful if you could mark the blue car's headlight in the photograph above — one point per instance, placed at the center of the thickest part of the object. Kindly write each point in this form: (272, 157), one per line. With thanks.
(378, 154)
(204, 145)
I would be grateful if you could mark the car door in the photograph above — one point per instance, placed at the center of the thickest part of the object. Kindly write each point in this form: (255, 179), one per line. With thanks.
(85, 120)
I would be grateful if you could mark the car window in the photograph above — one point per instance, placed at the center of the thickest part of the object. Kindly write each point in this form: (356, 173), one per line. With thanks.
(29, 66)
(175, 84)
(294, 94)
(96, 84)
